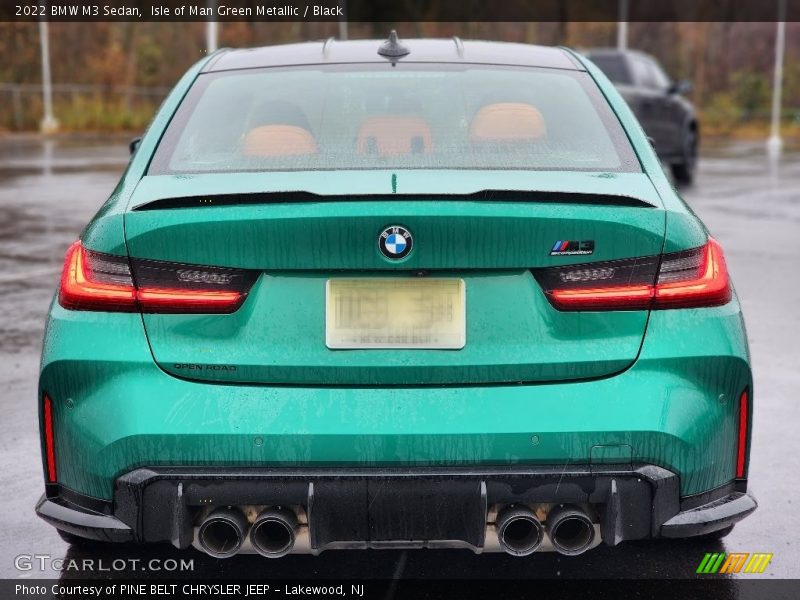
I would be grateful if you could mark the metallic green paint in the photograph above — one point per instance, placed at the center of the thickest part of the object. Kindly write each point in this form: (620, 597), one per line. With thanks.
(343, 235)
(667, 397)
(513, 335)
(127, 413)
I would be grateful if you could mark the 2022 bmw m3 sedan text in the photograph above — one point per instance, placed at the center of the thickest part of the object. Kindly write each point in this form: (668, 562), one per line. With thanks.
(369, 294)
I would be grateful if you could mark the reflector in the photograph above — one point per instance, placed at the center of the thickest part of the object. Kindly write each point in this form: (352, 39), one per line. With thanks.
(49, 439)
(741, 446)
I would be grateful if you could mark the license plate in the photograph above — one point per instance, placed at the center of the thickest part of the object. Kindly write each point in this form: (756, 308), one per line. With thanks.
(395, 313)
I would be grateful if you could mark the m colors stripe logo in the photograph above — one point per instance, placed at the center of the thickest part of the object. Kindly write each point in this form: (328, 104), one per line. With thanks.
(570, 248)
(735, 562)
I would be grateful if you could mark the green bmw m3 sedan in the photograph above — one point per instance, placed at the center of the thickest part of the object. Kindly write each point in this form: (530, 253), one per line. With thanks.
(394, 294)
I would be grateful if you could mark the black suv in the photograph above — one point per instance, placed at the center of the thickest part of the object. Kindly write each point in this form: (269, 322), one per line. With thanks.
(667, 117)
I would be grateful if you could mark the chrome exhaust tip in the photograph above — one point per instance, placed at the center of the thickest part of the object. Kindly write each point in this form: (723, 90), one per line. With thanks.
(571, 530)
(222, 532)
(518, 530)
(274, 531)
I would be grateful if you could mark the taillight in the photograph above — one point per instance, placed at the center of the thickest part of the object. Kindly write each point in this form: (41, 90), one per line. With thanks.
(692, 278)
(612, 285)
(102, 282)
(165, 287)
(741, 445)
(49, 439)
(93, 281)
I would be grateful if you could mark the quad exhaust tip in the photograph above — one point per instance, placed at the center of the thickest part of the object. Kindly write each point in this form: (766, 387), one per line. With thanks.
(519, 531)
(571, 530)
(222, 532)
(274, 531)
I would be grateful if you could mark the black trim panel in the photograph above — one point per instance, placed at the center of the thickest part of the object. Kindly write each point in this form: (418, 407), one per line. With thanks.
(159, 504)
(104, 528)
(695, 500)
(710, 517)
(529, 196)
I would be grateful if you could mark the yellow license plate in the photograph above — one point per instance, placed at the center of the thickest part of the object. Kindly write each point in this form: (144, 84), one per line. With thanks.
(395, 313)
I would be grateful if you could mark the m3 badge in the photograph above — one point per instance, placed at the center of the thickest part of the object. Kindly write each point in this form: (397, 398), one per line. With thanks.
(572, 248)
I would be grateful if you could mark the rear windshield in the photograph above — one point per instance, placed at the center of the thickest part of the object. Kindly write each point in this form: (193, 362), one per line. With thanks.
(410, 116)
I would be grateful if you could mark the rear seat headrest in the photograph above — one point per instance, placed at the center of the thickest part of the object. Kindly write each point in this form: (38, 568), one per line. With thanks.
(279, 140)
(507, 122)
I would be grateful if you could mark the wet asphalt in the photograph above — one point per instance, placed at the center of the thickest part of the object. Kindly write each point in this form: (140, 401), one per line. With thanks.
(48, 191)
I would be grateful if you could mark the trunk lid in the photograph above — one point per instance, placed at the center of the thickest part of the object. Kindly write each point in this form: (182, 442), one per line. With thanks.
(297, 242)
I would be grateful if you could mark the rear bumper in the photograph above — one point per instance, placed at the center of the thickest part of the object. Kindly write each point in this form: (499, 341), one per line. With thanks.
(114, 411)
(426, 507)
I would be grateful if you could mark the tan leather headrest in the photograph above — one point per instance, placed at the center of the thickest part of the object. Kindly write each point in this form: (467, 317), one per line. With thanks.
(392, 136)
(507, 122)
(279, 140)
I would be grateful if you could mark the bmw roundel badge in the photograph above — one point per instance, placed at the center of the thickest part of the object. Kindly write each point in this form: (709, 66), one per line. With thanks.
(395, 242)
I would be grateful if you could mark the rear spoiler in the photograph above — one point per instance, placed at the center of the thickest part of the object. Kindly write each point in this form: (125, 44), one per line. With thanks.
(546, 197)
